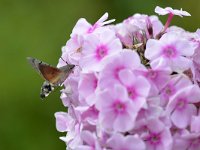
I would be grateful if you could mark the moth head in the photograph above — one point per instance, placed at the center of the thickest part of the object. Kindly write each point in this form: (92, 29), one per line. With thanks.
(71, 66)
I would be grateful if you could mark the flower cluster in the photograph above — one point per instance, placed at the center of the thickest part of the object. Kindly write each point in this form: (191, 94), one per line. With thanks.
(135, 85)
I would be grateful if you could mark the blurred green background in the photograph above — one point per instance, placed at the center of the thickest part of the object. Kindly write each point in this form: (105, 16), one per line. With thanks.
(39, 28)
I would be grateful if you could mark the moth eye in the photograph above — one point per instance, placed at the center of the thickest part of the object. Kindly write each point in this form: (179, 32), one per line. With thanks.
(47, 87)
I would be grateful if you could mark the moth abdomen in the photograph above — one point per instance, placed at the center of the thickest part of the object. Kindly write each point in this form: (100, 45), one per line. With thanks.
(46, 89)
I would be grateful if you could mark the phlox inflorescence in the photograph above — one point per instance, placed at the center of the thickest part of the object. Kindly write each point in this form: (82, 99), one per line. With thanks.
(135, 85)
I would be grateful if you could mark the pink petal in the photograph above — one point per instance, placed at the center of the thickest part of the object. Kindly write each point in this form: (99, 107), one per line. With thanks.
(155, 125)
(88, 137)
(167, 139)
(87, 84)
(177, 64)
(90, 44)
(104, 100)
(103, 18)
(120, 93)
(153, 49)
(134, 143)
(81, 27)
(63, 121)
(182, 118)
(116, 141)
(193, 93)
(181, 81)
(115, 46)
(130, 59)
(142, 86)
(126, 76)
(195, 124)
(107, 36)
(107, 120)
(123, 122)
(185, 47)
(138, 103)
(161, 11)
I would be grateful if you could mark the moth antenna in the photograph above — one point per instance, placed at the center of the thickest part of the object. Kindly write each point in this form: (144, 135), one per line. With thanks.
(64, 60)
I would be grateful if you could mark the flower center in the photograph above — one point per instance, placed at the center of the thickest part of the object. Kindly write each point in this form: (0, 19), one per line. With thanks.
(169, 90)
(169, 52)
(79, 50)
(155, 139)
(181, 103)
(132, 93)
(152, 74)
(101, 51)
(119, 107)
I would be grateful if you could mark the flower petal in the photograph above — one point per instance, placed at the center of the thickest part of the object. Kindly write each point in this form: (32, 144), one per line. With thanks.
(182, 118)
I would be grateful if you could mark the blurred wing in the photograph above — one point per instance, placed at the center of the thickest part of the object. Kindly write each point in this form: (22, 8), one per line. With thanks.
(48, 72)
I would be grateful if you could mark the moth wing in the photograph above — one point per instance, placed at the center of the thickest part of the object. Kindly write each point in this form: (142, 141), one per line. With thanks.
(48, 72)
(66, 71)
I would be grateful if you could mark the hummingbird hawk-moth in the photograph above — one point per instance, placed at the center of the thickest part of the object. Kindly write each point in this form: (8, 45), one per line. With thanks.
(53, 76)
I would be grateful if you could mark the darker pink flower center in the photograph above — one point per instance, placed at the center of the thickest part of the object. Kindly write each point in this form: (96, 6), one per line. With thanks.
(119, 107)
(152, 74)
(181, 103)
(132, 93)
(169, 90)
(154, 139)
(169, 52)
(101, 51)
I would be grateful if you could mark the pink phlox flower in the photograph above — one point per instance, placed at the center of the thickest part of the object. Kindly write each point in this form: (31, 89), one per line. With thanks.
(90, 141)
(72, 51)
(170, 51)
(172, 86)
(152, 111)
(97, 47)
(116, 111)
(119, 142)
(158, 136)
(140, 22)
(124, 35)
(181, 105)
(137, 87)
(131, 28)
(86, 87)
(169, 10)
(126, 59)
